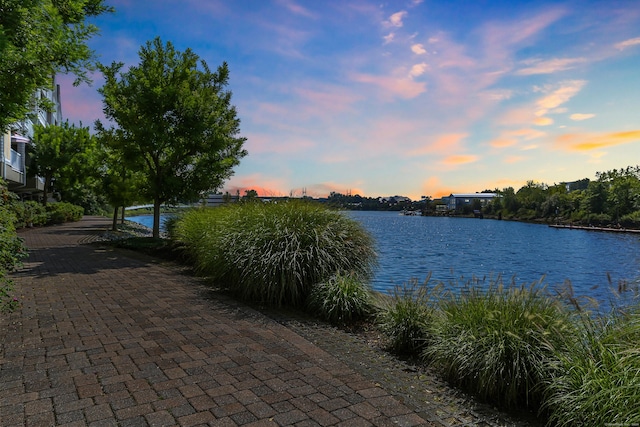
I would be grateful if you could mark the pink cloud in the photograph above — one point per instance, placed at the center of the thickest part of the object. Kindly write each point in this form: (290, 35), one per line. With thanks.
(395, 87)
(395, 20)
(550, 66)
(627, 43)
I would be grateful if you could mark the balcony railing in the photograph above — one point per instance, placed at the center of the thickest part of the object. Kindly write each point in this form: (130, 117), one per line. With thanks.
(16, 161)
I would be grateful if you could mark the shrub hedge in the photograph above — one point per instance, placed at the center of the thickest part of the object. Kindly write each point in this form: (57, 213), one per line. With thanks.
(275, 253)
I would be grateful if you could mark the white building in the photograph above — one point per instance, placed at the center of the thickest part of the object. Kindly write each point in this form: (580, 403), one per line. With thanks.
(14, 156)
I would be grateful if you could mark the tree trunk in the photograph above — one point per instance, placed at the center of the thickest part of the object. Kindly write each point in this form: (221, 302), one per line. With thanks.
(114, 226)
(122, 217)
(45, 192)
(156, 219)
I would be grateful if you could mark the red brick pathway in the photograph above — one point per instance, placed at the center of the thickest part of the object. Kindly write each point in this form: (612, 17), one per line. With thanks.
(107, 339)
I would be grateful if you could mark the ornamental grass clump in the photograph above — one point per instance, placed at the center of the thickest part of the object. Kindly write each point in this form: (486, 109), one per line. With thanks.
(406, 315)
(597, 380)
(274, 253)
(341, 299)
(496, 342)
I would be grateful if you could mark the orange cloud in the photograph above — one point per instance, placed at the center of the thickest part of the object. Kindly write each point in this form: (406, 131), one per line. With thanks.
(588, 142)
(445, 144)
(513, 159)
(543, 121)
(503, 143)
(527, 134)
(460, 159)
(579, 117)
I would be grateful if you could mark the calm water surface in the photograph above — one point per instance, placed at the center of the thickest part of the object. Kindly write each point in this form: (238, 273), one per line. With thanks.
(454, 250)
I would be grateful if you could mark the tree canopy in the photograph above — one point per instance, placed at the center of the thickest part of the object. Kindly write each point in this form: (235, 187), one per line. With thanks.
(62, 154)
(39, 38)
(175, 121)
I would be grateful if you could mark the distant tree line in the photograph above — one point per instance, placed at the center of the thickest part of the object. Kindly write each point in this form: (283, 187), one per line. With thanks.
(612, 199)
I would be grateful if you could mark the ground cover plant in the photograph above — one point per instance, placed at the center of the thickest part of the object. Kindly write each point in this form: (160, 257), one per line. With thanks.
(596, 381)
(496, 341)
(274, 253)
(406, 315)
(341, 299)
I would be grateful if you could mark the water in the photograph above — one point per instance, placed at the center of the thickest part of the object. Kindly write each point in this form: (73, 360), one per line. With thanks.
(147, 220)
(454, 250)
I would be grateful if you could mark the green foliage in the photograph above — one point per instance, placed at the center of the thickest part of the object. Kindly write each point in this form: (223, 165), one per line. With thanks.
(38, 39)
(341, 299)
(62, 154)
(62, 212)
(497, 342)
(274, 253)
(29, 214)
(175, 120)
(596, 380)
(405, 317)
(12, 249)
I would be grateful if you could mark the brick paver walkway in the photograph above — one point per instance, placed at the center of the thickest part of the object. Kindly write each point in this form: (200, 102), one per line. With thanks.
(107, 339)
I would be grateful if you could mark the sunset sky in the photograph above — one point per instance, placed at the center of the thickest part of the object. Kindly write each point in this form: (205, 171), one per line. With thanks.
(406, 97)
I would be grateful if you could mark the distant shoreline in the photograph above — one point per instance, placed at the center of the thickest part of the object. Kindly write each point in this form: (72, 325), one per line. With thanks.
(602, 229)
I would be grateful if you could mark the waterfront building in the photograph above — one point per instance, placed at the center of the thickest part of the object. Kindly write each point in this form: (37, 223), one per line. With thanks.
(46, 110)
(456, 202)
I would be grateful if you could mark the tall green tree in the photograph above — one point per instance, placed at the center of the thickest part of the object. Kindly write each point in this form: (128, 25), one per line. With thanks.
(177, 118)
(120, 177)
(62, 154)
(38, 39)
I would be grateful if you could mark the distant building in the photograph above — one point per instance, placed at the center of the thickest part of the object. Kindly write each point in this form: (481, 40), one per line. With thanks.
(14, 153)
(392, 200)
(458, 201)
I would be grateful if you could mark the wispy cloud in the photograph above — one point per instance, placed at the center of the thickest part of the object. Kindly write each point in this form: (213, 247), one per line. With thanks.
(460, 159)
(444, 145)
(550, 66)
(627, 43)
(558, 96)
(296, 8)
(588, 142)
(395, 20)
(579, 117)
(393, 87)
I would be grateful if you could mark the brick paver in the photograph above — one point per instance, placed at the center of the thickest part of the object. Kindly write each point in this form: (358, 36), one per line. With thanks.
(105, 338)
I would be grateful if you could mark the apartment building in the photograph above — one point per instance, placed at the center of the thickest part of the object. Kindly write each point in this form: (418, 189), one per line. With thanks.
(14, 144)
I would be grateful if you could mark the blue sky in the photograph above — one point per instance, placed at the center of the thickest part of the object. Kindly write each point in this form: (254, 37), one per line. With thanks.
(408, 97)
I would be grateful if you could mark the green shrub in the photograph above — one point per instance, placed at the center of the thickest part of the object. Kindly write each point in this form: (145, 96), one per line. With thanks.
(12, 249)
(61, 212)
(597, 379)
(341, 299)
(274, 252)
(405, 316)
(496, 342)
(631, 220)
(29, 214)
